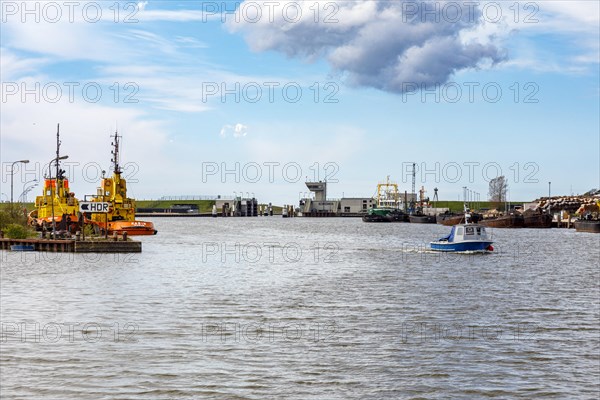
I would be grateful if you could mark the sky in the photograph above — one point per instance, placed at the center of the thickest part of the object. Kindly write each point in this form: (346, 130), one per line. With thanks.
(256, 97)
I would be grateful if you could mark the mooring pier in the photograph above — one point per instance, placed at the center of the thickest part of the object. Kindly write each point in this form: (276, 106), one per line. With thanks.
(75, 246)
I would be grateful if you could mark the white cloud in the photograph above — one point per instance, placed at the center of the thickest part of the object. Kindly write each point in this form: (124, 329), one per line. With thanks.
(170, 71)
(13, 67)
(378, 43)
(175, 16)
(579, 15)
(190, 42)
(66, 39)
(237, 131)
(573, 28)
(152, 40)
(384, 44)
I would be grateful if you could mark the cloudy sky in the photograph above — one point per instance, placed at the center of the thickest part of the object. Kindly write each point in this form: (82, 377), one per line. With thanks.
(258, 96)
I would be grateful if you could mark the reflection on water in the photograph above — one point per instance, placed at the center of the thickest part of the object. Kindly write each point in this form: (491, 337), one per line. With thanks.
(300, 308)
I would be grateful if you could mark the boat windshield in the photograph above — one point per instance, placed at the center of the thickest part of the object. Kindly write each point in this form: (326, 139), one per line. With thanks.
(449, 238)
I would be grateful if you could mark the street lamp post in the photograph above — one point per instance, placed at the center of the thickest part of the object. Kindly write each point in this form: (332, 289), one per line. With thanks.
(55, 189)
(23, 197)
(26, 183)
(12, 167)
(549, 183)
(26, 190)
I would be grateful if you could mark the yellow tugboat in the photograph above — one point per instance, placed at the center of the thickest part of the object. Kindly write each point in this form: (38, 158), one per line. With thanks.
(57, 208)
(121, 215)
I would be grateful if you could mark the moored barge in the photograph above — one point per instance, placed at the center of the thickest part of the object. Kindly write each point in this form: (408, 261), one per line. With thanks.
(505, 221)
(451, 219)
(591, 226)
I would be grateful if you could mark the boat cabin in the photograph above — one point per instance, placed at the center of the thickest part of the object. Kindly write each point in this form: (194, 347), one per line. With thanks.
(460, 233)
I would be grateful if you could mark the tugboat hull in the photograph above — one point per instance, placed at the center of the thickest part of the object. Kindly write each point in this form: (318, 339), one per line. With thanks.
(133, 228)
(63, 222)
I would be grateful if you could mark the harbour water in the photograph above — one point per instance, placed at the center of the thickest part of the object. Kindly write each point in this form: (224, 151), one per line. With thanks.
(255, 308)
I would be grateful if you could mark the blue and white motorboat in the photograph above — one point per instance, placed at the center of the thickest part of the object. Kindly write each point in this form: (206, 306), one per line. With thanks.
(465, 237)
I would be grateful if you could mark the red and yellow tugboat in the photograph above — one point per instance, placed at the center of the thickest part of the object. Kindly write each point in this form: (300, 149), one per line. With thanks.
(121, 214)
(57, 208)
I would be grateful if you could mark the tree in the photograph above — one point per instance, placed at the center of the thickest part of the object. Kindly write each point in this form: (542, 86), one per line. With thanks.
(497, 190)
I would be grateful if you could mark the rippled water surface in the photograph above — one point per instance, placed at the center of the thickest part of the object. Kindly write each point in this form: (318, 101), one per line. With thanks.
(305, 308)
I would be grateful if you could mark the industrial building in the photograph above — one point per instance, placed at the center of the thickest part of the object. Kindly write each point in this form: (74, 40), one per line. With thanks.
(237, 207)
(321, 206)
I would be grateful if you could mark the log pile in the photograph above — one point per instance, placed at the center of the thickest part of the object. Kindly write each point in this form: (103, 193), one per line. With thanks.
(565, 203)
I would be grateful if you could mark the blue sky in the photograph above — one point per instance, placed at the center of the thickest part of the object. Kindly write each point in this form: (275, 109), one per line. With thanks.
(160, 67)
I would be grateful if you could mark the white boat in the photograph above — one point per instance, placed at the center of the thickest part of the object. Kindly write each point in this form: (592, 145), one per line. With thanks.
(465, 237)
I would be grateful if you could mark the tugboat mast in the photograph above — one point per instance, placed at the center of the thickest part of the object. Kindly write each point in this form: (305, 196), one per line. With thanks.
(57, 151)
(115, 154)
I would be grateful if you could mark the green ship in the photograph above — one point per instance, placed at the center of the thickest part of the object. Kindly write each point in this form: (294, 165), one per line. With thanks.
(388, 205)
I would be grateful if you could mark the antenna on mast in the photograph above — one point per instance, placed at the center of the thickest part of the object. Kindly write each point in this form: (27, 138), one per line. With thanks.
(57, 149)
(115, 154)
